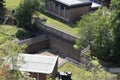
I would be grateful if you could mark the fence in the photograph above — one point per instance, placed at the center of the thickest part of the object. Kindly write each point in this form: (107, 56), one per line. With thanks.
(85, 50)
(114, 70)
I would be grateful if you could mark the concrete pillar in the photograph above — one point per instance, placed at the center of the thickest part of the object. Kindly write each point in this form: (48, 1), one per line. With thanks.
(64, 12)
(54, 7)
(38, 76)
(59, 6)
(49, 5)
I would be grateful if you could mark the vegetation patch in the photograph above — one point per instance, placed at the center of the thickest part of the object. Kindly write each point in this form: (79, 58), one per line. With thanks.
(71, 29)
(77, 73)
(12, 4)
(55, 22)
(84, 74)
(11, 32)
(9, 48)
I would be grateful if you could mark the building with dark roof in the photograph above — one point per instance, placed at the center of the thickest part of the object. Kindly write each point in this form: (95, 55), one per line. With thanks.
(71, 10)
(68, 10)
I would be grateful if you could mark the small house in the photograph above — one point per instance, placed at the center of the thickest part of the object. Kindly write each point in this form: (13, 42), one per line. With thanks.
(38, 66)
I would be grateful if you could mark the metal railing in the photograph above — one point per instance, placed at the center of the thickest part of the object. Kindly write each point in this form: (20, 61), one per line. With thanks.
(85, 50)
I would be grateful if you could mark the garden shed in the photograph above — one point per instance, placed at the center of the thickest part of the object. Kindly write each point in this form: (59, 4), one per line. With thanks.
(38, 66)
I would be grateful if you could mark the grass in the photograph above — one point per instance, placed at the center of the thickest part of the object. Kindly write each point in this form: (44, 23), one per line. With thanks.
(71, 29)
(8, 32)
(12, 4)
(83, 74)
(67, 27)
(77, 73)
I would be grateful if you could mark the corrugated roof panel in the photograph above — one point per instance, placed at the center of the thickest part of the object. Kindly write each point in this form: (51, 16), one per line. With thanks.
(73, 2)
(37, 63)
(70, 2)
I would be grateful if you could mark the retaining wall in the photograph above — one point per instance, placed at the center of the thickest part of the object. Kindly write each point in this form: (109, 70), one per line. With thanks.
(56, 31)
(36, 43)
(62, 43)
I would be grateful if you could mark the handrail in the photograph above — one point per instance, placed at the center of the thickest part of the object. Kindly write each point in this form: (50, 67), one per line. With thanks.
(85, 50)
(5, 21)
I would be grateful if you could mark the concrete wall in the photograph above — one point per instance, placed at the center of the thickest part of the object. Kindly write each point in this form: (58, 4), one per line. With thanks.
(64, 47)
(62, 43)
(37, 46)
(56, 31)
(36, 43)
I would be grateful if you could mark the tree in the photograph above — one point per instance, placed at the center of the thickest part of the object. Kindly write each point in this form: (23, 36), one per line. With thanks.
(25, 11)
(115, 23)
(10, 51)
(101, 30)
(2, 11)
(7, 50)
(95, 30)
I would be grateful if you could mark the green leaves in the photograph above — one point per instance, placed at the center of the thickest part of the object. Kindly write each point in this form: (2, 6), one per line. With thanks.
(115, 24)
(2, 11)
(101, 29)
(25, 11)
(7, 45)
(95, 30)
(9, 48)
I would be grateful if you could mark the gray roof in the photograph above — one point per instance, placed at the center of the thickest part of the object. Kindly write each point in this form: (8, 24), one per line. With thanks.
(73, 2)
(79, 2)
(37, 63)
